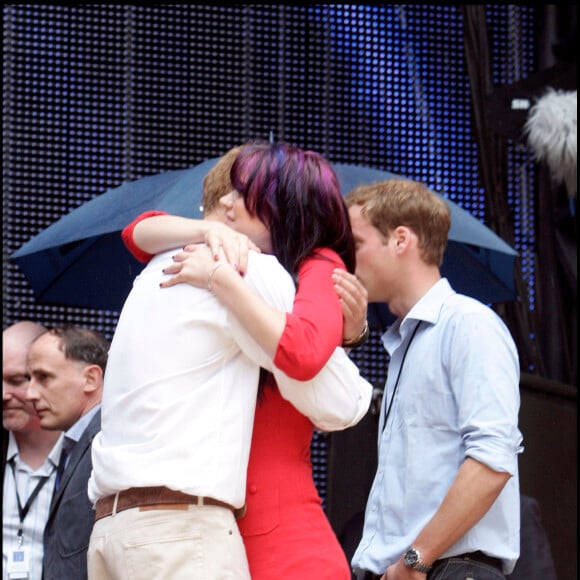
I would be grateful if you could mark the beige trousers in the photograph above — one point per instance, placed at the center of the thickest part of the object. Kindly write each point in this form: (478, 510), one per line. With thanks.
(191, 543)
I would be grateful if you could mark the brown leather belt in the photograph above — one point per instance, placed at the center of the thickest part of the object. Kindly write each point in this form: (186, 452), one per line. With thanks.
(156, 498)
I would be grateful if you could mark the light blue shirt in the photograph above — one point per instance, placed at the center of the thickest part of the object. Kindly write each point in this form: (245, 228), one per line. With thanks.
(75, 432)
(24, 479)
(458, 397)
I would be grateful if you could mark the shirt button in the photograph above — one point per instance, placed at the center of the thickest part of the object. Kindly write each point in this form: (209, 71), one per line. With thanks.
(253, 488)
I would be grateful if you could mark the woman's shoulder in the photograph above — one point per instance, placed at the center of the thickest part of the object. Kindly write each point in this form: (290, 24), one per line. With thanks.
(325, 256)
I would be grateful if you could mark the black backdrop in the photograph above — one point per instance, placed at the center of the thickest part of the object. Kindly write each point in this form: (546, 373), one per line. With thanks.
(95, 95)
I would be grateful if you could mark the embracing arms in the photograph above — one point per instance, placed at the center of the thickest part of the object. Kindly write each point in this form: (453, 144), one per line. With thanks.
(333, 397)
(317, 313)
(155, 231)
(299, 341)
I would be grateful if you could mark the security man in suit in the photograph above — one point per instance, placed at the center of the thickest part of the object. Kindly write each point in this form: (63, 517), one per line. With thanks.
(66, 367)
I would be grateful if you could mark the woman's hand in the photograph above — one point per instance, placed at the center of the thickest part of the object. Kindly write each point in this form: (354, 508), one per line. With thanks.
(354, 300)
(234, 245)
(192, 265)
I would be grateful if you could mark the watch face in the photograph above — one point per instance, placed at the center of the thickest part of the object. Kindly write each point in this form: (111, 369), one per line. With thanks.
(411, 557)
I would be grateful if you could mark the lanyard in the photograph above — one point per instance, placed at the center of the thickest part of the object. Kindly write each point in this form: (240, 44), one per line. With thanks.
(23, 511)
(399, 375)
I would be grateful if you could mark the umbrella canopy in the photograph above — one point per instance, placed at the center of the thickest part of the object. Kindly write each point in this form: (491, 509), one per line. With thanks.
(477, 261)
(80, 260)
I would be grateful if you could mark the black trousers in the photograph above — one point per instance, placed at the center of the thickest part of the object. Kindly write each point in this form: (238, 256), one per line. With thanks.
(475, 556)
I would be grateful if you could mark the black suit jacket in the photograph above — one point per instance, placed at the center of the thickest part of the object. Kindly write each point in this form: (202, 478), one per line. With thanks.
(71, 518)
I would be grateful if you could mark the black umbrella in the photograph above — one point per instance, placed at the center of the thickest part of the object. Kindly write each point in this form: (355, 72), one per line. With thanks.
(80, 260)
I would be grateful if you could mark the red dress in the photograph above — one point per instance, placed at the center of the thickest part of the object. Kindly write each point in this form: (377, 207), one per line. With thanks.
(285, 530)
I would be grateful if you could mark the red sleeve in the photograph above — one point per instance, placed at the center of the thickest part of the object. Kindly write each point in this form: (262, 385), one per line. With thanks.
(314, 327)
(127, 235)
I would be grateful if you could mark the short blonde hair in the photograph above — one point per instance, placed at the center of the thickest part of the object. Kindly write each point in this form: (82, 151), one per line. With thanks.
(217, 182)
(403, 202)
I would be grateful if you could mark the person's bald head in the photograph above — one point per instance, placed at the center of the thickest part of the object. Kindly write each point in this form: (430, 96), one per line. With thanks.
(17, 412)
(24, 331)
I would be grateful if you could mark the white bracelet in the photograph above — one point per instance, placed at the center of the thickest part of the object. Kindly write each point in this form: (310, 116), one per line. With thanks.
(209, 278)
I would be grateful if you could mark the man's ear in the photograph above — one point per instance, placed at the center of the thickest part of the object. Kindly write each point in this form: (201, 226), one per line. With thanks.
(93, 378)
(402, 236)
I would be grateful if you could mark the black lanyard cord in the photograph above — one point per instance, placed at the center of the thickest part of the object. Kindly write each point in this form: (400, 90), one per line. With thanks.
(23, 511)
(399, 375)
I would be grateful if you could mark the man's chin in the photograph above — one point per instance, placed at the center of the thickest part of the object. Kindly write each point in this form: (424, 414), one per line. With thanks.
(18, 421)
(46, 423)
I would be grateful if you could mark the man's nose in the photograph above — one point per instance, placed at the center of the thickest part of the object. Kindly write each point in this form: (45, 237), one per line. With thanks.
(31, 392)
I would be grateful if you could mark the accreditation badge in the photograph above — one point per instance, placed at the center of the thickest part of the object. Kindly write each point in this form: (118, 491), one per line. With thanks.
(18, 566)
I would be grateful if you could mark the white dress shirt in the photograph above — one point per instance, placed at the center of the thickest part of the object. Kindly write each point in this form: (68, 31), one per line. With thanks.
(180, 388)
(25, 480)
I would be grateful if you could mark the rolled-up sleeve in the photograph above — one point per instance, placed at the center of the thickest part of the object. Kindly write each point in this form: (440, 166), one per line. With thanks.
(485, 358)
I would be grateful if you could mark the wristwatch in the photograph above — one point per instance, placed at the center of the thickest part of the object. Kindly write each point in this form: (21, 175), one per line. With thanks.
(412, 559)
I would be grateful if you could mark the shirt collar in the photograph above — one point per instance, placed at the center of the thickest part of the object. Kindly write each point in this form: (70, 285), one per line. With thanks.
(12, 450)
(75, 432)
(54, 455)
(13, 455)
(427, 309)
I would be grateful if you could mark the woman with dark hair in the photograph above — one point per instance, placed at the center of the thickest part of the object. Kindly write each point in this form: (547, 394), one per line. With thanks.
(288, 202)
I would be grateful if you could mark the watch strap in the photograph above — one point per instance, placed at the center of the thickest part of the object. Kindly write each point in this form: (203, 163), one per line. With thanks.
(412, 559)
(420, 567)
